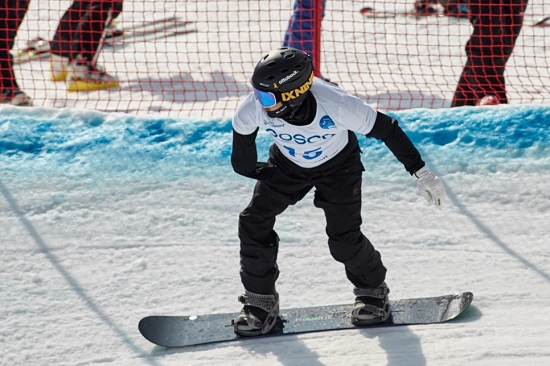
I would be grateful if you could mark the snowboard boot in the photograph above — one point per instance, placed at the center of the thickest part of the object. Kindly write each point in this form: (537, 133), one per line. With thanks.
(371, 305)
(258, 316)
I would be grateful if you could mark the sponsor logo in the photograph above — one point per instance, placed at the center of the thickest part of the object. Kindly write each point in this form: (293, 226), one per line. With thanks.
(326, 122)
(299, 138)
(288, 77)
(293, 94)
(273, 124)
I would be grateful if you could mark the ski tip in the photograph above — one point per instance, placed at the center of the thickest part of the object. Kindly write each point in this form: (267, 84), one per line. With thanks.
(366, 10)
(542, 22)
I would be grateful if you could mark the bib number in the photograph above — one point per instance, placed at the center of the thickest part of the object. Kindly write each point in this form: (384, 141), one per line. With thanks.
(308, 155)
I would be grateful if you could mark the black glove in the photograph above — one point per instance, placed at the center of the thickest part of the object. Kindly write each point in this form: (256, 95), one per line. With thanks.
(263, 171)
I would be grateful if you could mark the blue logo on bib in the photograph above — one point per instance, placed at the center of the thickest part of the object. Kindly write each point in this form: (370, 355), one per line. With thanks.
(326, 123)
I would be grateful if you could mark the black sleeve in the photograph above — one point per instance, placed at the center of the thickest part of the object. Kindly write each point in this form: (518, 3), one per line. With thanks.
(244, 158)
(388, 131)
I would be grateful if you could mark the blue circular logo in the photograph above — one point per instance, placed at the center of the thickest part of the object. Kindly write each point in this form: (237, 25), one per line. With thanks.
(326, 123)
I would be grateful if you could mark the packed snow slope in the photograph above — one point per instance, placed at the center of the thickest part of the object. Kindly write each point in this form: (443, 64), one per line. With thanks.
(107, 218)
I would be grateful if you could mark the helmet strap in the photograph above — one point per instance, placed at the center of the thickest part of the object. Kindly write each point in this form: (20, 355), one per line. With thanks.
(278, 113)
(304, 113)
(293, 110)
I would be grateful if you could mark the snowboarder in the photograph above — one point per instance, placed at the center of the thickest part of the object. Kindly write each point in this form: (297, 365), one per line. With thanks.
(76, 42)
(313, 125)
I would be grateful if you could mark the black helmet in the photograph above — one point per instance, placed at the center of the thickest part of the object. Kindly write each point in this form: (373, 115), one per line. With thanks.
(287, 73)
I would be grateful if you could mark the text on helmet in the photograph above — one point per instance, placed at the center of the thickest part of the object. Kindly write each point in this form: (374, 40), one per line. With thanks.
(293, 94)
(287, 78)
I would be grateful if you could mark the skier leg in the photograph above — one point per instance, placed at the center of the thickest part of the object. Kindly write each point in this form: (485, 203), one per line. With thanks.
(81, 27)
(78, 39)
(62, 52)
(85, 73)
(299, 33)
(92, 27)
(300, 27)
(11, 17)
(495, 31)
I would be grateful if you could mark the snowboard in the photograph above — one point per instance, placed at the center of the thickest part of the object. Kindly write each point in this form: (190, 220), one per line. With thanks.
(184, 331)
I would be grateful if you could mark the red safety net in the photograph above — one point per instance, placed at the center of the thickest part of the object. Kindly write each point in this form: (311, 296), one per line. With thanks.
(195, 57)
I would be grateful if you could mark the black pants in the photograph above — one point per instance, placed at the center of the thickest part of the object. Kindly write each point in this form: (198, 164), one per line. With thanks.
(12, 13)
(81, 28)
(496, 27)
(338, 193)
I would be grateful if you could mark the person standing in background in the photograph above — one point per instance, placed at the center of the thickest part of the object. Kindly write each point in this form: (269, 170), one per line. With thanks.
(300, 33)
(496, 27)
(301, 27)
(77, 41)
(12, 13)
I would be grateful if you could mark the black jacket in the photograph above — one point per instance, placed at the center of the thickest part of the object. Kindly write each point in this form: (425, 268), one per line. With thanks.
(244, 157)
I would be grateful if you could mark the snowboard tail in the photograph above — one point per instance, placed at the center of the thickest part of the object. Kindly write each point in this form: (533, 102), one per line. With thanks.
(184, 331)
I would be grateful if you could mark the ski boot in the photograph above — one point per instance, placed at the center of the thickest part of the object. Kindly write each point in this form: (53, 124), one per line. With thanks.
(59, 67)
(488, 100)
(258, 316)
(15, 97)
(371, 305)
(37, 46)
(81, 75)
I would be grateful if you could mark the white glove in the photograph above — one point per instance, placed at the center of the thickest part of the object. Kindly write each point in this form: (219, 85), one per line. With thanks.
(430, 186)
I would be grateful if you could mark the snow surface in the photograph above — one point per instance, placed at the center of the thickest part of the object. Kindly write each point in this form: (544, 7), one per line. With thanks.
(107, 217)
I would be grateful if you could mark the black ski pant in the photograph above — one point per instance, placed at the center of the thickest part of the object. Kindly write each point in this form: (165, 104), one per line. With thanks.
(81, 28)
(337, 186)
(12, 13)
(496, 27)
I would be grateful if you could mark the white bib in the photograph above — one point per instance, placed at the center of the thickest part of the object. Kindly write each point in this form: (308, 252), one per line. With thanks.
(314, 144)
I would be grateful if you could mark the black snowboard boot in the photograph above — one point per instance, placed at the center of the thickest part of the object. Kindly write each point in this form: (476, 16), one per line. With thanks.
(258, 316)
(371, 305)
